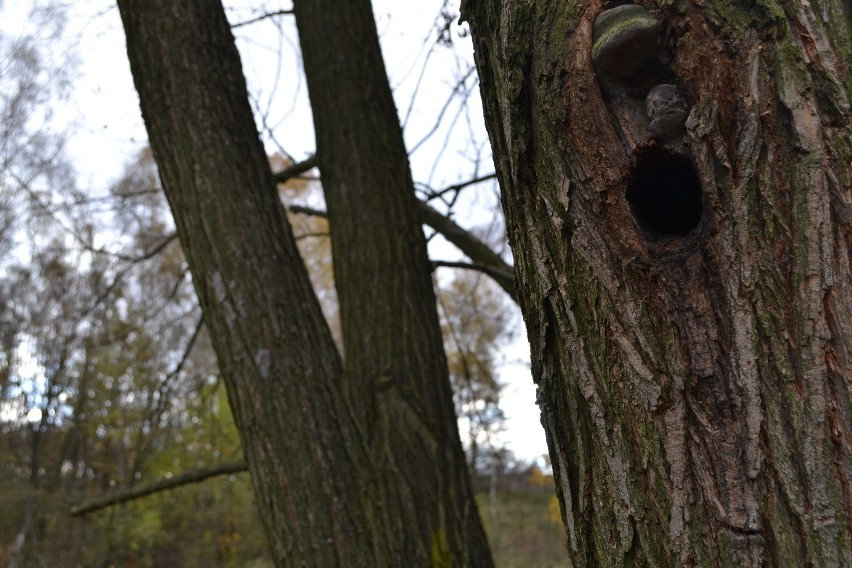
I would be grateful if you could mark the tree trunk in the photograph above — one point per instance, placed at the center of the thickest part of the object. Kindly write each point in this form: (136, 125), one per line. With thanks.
(275, 352)
(354, 467)
(683, 260)
(395, 367)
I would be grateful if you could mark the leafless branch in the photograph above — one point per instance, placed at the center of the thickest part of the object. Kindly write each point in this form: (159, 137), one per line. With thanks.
(460, 88)
(261, 18)
(192, 476)
(308, 211)
(295, 170)
(125, 270)
(481, 254)
(462, 185)
(476, 250)
(313, 235)
(187, 350)
(495, 273)
(147, 255)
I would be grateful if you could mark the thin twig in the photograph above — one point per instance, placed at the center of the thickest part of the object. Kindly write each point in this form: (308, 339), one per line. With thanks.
(147, 255)
(458, 88)
(261, 18)
(462, 185)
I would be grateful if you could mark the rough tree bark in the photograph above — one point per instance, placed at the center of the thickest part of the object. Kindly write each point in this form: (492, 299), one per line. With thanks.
(359, 466)
(687, 292)
(395, 364)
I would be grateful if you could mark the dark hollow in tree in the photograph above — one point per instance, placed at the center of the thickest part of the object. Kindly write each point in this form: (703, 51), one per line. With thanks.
(664, 193)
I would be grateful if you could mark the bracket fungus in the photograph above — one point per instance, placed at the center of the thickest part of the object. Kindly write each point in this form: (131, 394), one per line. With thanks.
(626, 49)
(647, 99)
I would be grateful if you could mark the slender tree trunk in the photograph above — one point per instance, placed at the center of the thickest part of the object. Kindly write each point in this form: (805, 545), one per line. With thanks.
(686, 284)
(354, 467)
(396, 370)
(275, 352)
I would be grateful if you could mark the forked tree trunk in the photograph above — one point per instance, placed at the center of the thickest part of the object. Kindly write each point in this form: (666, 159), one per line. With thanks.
(687, 292)
(359, 466)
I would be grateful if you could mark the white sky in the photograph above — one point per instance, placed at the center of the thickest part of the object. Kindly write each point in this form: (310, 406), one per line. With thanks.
(108, 130)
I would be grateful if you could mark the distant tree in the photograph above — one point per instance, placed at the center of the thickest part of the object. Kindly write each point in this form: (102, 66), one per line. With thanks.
(112, 383)
(31, 161)
(475, 323)
(683, 262)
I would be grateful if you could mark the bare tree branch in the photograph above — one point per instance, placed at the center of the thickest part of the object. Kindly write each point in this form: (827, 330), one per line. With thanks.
(460, 88)
(295, 169)
(484, 259)
(494, 273)
(462, 185)
(313, 235)
(84, 243)
(308, 211)
(145, 437)
(192, 476)
(476, 250)
(147, 255)
(261, 18)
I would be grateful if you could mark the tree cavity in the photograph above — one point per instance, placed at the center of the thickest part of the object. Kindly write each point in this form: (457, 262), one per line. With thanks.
(664, 193)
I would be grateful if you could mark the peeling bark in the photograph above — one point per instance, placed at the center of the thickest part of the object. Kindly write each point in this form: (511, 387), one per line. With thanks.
(694, 374)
